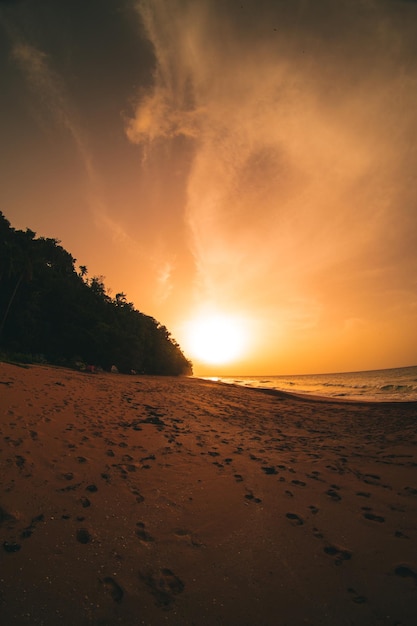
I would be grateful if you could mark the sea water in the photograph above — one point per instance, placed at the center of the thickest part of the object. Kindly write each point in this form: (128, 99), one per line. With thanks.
(399, 384)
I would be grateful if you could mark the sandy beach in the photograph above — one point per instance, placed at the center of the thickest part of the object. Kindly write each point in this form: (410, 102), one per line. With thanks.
(142, 500)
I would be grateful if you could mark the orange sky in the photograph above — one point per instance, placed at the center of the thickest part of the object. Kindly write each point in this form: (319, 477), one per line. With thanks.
(254, 158)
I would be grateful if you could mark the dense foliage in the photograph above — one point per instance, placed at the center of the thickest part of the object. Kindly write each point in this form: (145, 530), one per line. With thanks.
(56, 314)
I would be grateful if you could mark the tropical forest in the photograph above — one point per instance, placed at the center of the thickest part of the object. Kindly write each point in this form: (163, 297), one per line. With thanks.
(52, 312)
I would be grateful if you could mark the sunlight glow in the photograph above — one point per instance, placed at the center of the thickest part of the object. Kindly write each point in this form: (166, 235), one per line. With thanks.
(216, 338)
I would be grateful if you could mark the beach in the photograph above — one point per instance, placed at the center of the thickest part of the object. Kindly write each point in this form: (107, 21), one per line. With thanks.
(172, 500)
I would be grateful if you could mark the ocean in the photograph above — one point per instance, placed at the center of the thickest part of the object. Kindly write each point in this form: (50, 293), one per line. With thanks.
(399, 384)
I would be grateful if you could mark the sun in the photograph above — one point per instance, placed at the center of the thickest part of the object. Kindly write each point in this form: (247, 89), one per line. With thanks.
(216, 338)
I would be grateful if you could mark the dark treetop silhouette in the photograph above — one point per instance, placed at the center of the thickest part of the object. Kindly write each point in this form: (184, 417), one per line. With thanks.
(52, 312)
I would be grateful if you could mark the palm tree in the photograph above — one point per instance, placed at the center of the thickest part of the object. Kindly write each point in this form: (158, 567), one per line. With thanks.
(83, 271)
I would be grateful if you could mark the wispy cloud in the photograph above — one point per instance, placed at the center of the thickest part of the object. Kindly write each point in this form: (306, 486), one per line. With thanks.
(168, 110)
(52, 102)
(300, 121)
(164, 281)
(51, 92)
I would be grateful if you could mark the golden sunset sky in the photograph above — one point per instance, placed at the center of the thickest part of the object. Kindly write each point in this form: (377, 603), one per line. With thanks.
(255, 159)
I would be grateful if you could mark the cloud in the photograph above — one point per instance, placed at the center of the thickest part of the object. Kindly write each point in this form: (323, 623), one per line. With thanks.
(50, 91)
(164, 281)
(54, 103)
(299, 119)
(168, 110)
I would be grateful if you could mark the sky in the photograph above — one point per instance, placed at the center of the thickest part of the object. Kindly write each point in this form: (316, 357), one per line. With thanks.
(254, 159)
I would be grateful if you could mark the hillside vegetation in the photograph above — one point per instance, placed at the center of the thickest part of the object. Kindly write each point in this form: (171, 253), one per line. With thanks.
(51, 312)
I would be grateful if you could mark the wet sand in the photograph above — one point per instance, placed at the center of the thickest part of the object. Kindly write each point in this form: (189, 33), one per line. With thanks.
(144, 500)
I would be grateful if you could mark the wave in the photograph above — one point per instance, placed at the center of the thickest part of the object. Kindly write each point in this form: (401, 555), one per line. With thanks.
(398, 388)
(382, 385)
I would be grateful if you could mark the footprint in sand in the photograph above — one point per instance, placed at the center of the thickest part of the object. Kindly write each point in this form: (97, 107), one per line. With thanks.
(113, 588)
(397, 507)
(374, 518)
(11, 546)
(163, 586)
(72, 487)
(27, 532)
(356, 597)
(20, 461)
(299, 483)
(363, 494)
(139, 496)
(404, 571)
(269, 470)
(315, 475)
(186, 535)
(6, 518)
(400, 535)
(83, 536)
(295, 519)
(333, 495)
(252, 498)
(142, 534)
(340, 554)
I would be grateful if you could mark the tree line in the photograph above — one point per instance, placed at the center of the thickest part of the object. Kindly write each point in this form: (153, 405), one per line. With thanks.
(51, 312)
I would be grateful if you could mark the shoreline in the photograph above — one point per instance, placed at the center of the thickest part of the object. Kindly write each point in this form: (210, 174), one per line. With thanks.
(307, 396)
(271, 391)
(146, 500)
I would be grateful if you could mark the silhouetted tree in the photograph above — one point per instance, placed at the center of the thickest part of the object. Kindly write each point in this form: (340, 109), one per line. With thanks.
(19, 256)
(47, 308)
